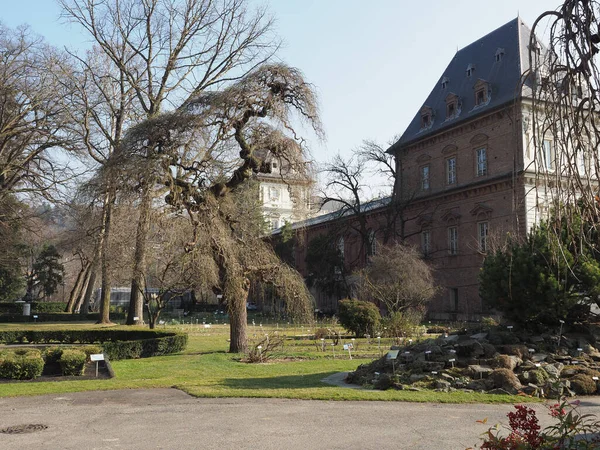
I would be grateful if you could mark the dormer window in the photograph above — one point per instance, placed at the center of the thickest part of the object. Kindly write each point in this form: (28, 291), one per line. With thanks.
(450, 110)
(470, 70)
(499, 54)
(480, 97)
(481, 88)
(445, 82)
(274, 165)
(451, 106)
(426, 117)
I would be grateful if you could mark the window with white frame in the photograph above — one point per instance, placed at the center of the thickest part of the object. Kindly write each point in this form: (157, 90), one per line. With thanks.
(426, 242)
(548, 155)
(425, 178)
(452, 240)
(273, 194)
(481, 161)
(451, 170)
(482, 236)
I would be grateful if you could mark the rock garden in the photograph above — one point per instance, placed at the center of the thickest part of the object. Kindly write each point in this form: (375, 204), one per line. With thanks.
(494, 361)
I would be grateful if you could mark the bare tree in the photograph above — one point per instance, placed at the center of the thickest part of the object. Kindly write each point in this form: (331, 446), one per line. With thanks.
(401, 208)
(166, 52)
(347, 184)
(32, 115)
(398, 279)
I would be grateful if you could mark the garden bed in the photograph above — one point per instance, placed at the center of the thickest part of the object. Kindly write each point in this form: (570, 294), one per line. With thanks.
(52, 373)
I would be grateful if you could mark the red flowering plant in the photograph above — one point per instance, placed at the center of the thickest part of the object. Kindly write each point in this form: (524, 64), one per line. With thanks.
(572, 430)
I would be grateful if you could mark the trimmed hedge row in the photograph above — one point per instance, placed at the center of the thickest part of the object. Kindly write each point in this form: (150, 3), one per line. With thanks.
(117, 344)
(36, 307)
(56, 317)
(22, 364)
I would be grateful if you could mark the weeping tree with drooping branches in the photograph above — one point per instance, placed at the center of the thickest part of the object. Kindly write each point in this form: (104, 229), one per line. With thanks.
(564, 83)
(206, 152)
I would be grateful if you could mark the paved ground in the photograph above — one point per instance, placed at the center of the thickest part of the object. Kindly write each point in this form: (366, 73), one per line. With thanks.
(170, 419)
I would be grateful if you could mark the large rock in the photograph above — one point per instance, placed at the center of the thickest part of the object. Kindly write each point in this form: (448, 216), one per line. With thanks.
(510, 362)
(553, 369)
(477, 371)
(443, 385)
(506, 379)
(539, 357)
(480, 385)
(469, 348)
(479, 336)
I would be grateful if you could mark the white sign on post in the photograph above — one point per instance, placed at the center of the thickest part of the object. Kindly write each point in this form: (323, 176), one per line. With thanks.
(392, 354)
(95, 358)
(349, 348)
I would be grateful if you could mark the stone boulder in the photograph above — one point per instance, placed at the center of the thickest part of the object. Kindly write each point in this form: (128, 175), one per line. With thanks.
(469, 349)
(506, 379)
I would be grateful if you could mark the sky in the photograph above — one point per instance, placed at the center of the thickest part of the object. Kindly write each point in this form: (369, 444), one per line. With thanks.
(373, 63)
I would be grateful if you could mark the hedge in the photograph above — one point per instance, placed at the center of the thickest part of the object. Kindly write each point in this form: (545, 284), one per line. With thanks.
(23, 364)
(72, 362)
(36, 307)
(117, 344)
(56, 317)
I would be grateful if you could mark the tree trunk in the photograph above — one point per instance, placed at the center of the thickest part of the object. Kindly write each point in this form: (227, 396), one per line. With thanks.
(81, 295)
(104, 258)
(89, 291)
(136, 305)
(76, 291)
(238, 324)
(236, 294)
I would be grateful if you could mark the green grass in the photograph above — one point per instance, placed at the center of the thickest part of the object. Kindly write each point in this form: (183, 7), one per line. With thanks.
(204, 369)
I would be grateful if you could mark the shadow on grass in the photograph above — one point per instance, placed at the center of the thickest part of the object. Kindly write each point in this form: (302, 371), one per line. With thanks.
(282, 382)
(208, 352)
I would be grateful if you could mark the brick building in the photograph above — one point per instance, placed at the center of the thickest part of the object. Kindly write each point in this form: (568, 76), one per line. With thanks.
(466, 168)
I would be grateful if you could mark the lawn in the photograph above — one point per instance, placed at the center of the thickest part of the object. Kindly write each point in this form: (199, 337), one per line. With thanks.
(205, 369)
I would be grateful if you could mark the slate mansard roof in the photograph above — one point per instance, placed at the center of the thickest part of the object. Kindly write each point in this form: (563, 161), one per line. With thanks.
(503, 76)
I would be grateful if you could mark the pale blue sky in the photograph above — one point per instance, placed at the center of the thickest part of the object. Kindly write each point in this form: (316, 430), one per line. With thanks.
(373, 62)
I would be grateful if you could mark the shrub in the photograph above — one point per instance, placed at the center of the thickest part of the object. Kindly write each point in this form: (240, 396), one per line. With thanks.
(72, 362)
(48, 307)
(269, 346)
(359, 317)
(489, 322)
(146, 348)
(384, 382)
(403, 323)
(538, 376)
(538, 281)
(52, 354)
(90, 350)
(572, 430)
(117, 344)
(24, 366)
(321, 333)
(583, 384)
